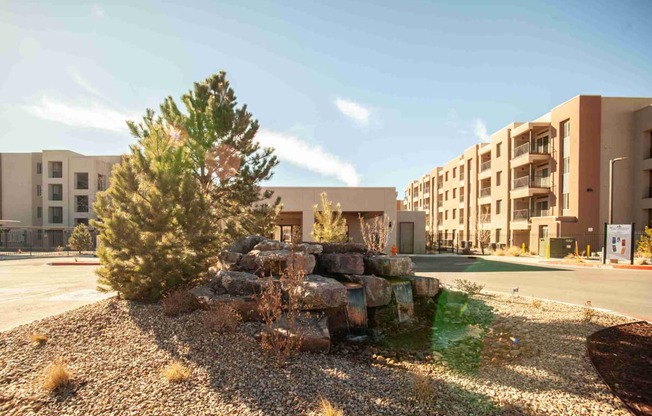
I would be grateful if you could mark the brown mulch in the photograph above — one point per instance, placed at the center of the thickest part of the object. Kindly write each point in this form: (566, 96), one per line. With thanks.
(622, 355)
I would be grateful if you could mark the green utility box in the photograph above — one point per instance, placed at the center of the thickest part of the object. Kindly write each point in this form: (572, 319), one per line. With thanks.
(561, 247)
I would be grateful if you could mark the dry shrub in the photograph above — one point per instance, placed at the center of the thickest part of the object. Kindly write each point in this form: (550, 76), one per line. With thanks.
(469, 287)
(588, 313)
(536, 303)
(37, 339)
(375, 232)
(574, 258)
(176, 372)
(222, 317)
(422, 389)
(514, 251)
(56, 376)
(327, 409)
(281, 337)
(178, 302)
(499, 252)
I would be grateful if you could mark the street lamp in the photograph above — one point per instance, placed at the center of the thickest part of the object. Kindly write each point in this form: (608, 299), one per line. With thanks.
(611, 187)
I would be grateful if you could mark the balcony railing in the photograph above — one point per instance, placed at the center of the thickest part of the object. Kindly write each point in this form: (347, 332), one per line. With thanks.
(485, 192)
(536, 182)
(542, 212)
(426, 193)
(485, 165)
(521, 215)
(440, 204)
(485, 218)
(526, 148)
(426, 207)
(461, 176)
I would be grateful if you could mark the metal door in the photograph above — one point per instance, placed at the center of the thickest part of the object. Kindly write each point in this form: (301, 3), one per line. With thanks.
(543, 240)
(406, 237)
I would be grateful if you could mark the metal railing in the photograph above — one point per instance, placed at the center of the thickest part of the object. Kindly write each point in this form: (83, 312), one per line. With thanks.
(23, 242)
(526, 148)
(521, 215)
(542, 212)
(485, 192)
(536, 182)
(485, 165)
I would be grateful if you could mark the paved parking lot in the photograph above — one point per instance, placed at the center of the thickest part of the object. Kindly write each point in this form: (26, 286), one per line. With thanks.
(30, 289)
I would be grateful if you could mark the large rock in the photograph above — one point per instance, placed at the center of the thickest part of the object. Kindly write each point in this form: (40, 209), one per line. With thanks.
(268, 245)
(388, 266)
(307, 248)
(241, 283)
(228, 260)
(245, 244)
(342, 263)
(424, 287)
(319, 292)
(313, 330)
(343, 248)
(267, 263)
(378, 291)
(246, 306)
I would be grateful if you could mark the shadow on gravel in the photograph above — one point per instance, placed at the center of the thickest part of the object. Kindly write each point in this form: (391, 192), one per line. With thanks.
(240, 373)
(463, 264)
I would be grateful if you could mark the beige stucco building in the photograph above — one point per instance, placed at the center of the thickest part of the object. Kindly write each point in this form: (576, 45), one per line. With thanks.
(407, 230)
(51, 190)
(545, 178)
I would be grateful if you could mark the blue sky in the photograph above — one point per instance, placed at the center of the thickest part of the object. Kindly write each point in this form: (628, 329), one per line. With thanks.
(351, 93)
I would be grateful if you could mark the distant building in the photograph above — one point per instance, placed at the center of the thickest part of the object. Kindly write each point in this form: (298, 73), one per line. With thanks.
(545, 178)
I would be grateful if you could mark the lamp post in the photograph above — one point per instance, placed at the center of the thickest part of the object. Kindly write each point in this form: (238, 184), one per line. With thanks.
(611, 187)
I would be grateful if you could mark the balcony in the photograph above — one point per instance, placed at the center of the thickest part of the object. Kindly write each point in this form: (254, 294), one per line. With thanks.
(527, 153)
(485, 170)
(426, 194)
(525, 187)
(484, 197)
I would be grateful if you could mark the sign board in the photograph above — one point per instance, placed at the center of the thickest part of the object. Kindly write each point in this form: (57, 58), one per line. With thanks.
(619, 242)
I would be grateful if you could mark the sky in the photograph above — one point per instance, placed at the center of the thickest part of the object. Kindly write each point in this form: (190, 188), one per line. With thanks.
(350, 93)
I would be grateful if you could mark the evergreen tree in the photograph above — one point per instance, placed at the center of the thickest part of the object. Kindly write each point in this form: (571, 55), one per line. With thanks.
(644, 244)
(329, 225)
(261, 218)
(182, 194)
(80, 239)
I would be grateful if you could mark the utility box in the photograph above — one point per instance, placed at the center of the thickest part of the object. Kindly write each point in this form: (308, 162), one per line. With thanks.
(561, 247)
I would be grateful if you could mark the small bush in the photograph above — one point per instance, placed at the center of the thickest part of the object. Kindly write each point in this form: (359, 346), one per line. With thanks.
(327, 409)
(178, 302)
(536, 303)
(588, 313)
(499, 252)
(469, 287)
(222, 318)
(514, 251)
(422, 389)
(176, 372)
(37, 339)
(56, 376)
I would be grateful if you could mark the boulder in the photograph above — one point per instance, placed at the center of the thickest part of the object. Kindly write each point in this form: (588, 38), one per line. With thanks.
(378, 291)
(203, 294)
(342, 263)
(275, 262)
(245, 244)
(268, 245)
(228, 260)
(424, 287)
(248, 262)
(307, 248)
(246, 306)
(319, 292)
(241, 283)
(313, 329)
(388, 266)
(343, 248)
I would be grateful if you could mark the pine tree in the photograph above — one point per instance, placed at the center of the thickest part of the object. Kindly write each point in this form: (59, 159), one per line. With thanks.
(182, 194)
(329, 225)
(261, 218)
(81, 239)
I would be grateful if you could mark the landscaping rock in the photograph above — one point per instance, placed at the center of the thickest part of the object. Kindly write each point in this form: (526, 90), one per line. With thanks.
(319, 292)
(246, 306)
(343, 248)
(389, 266)
(241, 283)
(378, 291)
(268, 245)
(202, 293)
(423, 287)
(342, 263)
(245, 244)
(314, 330)
(275, 262)
(307, 248)
(228, 260)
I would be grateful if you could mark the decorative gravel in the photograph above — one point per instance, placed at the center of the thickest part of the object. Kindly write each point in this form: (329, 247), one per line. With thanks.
(116, 350)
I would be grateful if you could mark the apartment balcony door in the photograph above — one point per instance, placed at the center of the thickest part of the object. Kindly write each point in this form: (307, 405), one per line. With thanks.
(406, 237)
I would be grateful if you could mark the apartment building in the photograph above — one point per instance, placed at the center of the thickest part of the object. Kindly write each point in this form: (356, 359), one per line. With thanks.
(50, 191)
(545, 178)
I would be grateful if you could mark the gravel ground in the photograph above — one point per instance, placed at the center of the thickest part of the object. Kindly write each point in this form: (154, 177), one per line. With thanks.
(116, 350)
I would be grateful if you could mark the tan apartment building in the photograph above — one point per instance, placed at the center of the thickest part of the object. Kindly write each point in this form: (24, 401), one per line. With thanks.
(407, 229)
(50, 191)
(545, 178)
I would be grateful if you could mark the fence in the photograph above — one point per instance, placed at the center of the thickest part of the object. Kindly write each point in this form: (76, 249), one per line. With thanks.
(38, 242)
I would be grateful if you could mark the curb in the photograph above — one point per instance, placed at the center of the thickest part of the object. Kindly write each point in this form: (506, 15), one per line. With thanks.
(74, 263)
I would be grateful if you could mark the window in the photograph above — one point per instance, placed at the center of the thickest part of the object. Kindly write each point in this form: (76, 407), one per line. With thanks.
(454, 212)
(499, 206)
(446, 176)
(446, 214)
(55, 169)
(55, 215)
(454, 172)
(446, 196)
(55, 192)
(499, 175)
(39, 212)
(565, 172)
(498, 232)
(454, 193)
(498, 149)
(81, 203)
(81, 221)
(39, 190)
(39, 168)
(81, 180)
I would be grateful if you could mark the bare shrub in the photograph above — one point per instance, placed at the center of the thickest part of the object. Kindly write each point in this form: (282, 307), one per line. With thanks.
(536, 303)
(281, 337)
(574, 258)
(375, 232)
(327, 409)
(499, 252)
(472, 288)
(222, 317)
(178, 302)
(588, 313)
(514, 251)
(422, 389)
(37, 339)
(176, 372)
(56, 376)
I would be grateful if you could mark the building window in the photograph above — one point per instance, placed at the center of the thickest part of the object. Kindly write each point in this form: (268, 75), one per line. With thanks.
(39, 168)
(498, 149)
(55, 215)
(55, 169)
(454, 212)
(81, 180)
(39, 190)
(446, 195)
(39, 212)
(454, 172)
(498, 232)
(499, 174)
(565, 172)
(446, 176)
(454, 193)
(81, 221)
(81, 203)
(499, 206)
(446, 215)
(55, 192)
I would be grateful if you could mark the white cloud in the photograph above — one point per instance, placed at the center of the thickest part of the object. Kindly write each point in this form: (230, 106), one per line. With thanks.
(354, 111)
(91, 115)
(480, 130)
(98, 11)
(308, 156)
(83, 82)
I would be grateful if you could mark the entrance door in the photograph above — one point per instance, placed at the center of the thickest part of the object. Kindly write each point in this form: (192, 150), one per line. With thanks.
(406, 237)
(543, 240)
